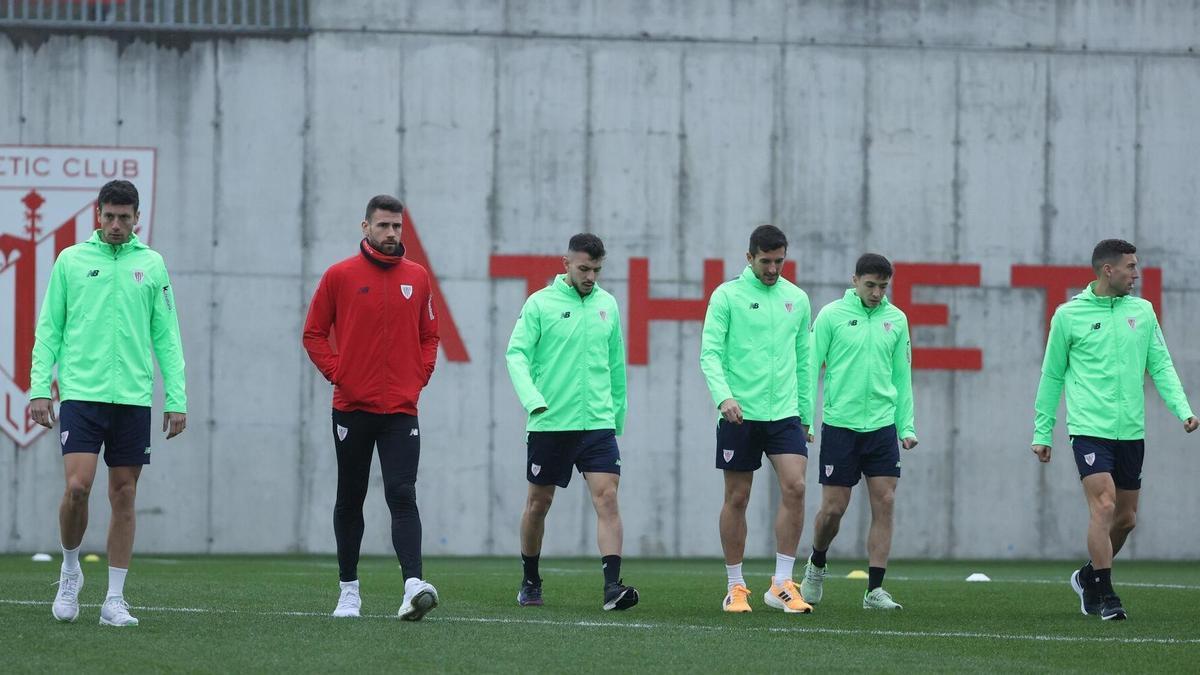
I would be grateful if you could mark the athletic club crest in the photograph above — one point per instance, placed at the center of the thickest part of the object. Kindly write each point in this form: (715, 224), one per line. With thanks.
(64, 436)
(342, 432)
(727, 454)
(828, 470)
(788, 306)
(138, 275)
(1090, 458)
(535, 469)
(887, 326)
(47, 203)
(406, 290)
(1132, 323)
(603, 315)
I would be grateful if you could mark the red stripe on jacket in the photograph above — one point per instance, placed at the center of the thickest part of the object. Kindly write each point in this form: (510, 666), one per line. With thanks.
(386, 343)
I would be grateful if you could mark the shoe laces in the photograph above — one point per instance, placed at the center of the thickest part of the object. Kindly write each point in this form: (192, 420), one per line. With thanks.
(814, 572)
(349, 597)
(118, 607)
(881, 594)
(789, 585)
(68, 584)
(739, 592)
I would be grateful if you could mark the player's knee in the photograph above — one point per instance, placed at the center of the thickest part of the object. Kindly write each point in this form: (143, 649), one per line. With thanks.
(737, 500)
(78, 489)
(885, 500)
(833, 510)
(401, 495)
(1125, 521)
(539, 505)
(792, 491)
(606, 499)
(1103, 508)
(122, 495)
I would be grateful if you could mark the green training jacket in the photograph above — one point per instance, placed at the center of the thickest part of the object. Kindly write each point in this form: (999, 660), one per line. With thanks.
(868, 366)
(754, 348)
(106, 308)
(1101, 347)
(567, 354)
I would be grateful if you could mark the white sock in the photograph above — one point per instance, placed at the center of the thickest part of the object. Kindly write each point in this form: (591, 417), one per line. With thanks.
(116, 582)
(70, 559)
(348, 584)
(783, 567)
(734, 574)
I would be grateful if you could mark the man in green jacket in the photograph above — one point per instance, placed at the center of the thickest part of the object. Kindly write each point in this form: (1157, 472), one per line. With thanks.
(1101, 344)
(863, 342)
(754, 355)
(566, 358)
(109, 304)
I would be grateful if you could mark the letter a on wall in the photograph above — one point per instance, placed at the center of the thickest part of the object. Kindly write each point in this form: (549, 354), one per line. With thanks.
(451, 341)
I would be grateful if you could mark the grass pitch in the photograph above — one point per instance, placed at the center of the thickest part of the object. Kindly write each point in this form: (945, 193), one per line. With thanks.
(270, 613)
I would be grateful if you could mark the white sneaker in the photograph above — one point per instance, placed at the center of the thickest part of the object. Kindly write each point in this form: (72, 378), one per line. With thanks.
(115, 612)
(349, 602)
(66, 601)
(419, 598)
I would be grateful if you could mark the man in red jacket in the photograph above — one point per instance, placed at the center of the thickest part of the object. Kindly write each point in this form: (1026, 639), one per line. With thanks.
(372, 332)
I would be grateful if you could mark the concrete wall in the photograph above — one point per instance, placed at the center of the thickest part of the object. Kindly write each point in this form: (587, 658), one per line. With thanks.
(998, 133)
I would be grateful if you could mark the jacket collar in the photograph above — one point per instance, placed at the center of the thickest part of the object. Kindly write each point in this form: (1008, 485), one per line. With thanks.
(748, 277)
(560, 282)
(1089, 294)
(133, 242)
(852, 300)
(380, 259)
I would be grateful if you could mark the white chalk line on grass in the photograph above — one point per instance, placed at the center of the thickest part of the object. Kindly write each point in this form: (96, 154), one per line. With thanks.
(894, 577)
(962, 635)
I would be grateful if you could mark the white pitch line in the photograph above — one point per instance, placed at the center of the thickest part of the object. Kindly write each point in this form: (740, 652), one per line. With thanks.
(681, 627)
(895, 577)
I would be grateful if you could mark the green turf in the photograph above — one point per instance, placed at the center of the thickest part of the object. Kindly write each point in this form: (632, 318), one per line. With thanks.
(252, 613)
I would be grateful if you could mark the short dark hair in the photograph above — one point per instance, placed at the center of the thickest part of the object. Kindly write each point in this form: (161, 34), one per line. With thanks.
(118, 193)
(586, 242)
(767, 238)
(1109, 251)
(873, 263)
(383, 203)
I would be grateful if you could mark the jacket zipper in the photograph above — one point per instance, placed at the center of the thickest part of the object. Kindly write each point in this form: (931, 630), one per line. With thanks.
(112, 352)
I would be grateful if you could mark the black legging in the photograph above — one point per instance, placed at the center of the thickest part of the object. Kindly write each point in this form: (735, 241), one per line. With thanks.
(355, 436)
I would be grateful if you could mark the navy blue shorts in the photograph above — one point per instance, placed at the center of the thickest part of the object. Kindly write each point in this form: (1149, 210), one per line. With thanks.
(1123, 459)
(551, 454)
(847, 455)
(123, 430)
(740, 447)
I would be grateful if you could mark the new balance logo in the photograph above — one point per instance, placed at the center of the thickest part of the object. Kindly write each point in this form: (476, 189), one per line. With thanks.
(94, 273)
(853, 322)
(364, 289)
(414, 432)
(754, 305)
(147, 451)
(1096, 326)
(566, 315)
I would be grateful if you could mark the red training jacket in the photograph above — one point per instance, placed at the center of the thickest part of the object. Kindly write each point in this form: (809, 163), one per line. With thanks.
(381, 308)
